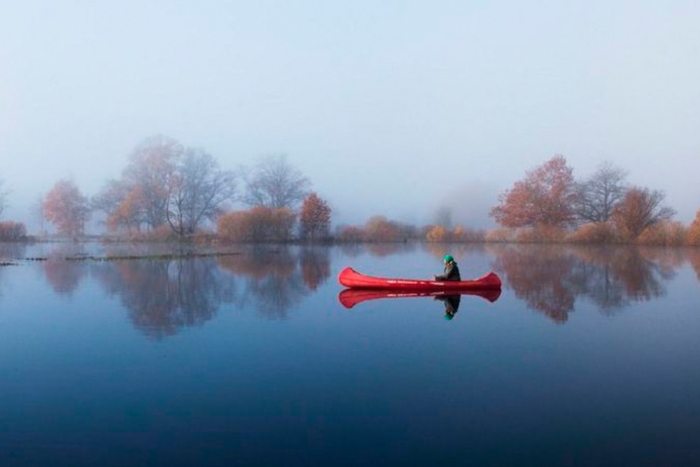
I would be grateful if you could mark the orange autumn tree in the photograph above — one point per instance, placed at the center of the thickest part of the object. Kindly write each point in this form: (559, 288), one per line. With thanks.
(66, 208)
(257, 224)
(544, 198)
(639, 209)
(315, 218)
(149, 175)
(139, 198)
(125, 213)
(381, 229)
(437, 233)
(694, 231)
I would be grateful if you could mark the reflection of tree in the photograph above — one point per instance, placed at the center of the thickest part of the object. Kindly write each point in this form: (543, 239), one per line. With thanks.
(315, 266)
(65, 268)
(694, 259)
(667, 259)
(64, 276)
(550, 278)
(595, 277)
(540, 276)
(380, 249)
(274, 281)
(163, 296)
(639, 276)
(260, 263)
(351, 250)
(615, 276)
(387, 249)
(458, 250)
(277, 294)
(693, 256)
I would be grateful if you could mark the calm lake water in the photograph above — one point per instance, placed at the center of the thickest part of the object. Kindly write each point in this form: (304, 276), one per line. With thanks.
(589, 356)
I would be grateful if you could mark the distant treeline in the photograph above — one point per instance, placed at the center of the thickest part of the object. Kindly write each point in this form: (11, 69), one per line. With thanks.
(549, 205)
(169, 191)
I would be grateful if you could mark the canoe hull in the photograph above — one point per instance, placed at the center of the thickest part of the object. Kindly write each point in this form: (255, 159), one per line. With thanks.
(353, 279)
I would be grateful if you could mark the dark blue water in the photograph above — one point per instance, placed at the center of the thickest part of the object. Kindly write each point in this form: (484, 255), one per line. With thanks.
(588, 357)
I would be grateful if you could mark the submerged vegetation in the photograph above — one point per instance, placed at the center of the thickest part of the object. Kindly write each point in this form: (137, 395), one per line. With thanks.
(169, 192)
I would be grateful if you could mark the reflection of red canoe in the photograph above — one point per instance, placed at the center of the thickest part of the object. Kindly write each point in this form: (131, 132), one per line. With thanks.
(353, 279)
(351, 297)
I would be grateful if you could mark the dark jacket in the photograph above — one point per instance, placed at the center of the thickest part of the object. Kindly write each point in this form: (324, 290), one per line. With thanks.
(451, 273)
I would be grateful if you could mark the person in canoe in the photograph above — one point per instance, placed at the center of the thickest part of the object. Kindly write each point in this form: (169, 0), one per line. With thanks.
(451, 272)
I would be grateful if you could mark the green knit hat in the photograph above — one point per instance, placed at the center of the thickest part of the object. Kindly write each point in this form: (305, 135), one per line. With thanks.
(448, 258)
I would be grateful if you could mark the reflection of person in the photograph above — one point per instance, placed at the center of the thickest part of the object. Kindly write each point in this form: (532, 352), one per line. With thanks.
(451, 303)
(451, 272)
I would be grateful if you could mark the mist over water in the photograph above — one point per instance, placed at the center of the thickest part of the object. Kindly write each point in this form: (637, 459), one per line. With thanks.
(415, 101)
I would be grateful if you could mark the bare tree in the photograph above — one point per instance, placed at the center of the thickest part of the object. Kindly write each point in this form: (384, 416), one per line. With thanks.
(165, 184)
(274, 183)
(109, 197)
(197, 191)
(149, 176)
(600, 193)
(140, 197)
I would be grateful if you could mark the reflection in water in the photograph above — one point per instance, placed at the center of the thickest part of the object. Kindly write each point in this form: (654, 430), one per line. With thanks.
(351, 297)
(550, 278)
(278, 280)
(459, 251)
(540, 276)
(315, 266)
(12, 251)
(63, 275)
(9, 253)
(694, 258)
(163, 296)
(12, 255)
(617, 276)
(353, 250)
(387, 249)
(451, 303)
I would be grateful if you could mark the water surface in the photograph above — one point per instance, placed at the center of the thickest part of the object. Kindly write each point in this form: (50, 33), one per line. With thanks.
(589, 356)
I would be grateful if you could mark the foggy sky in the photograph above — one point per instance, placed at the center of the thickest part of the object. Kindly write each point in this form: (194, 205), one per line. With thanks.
(392, 107)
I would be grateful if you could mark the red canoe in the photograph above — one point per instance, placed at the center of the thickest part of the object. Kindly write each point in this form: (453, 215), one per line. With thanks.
(351, 297)
(353, 279)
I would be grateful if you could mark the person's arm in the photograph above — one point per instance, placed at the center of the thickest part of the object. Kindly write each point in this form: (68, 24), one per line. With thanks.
(446, 275)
